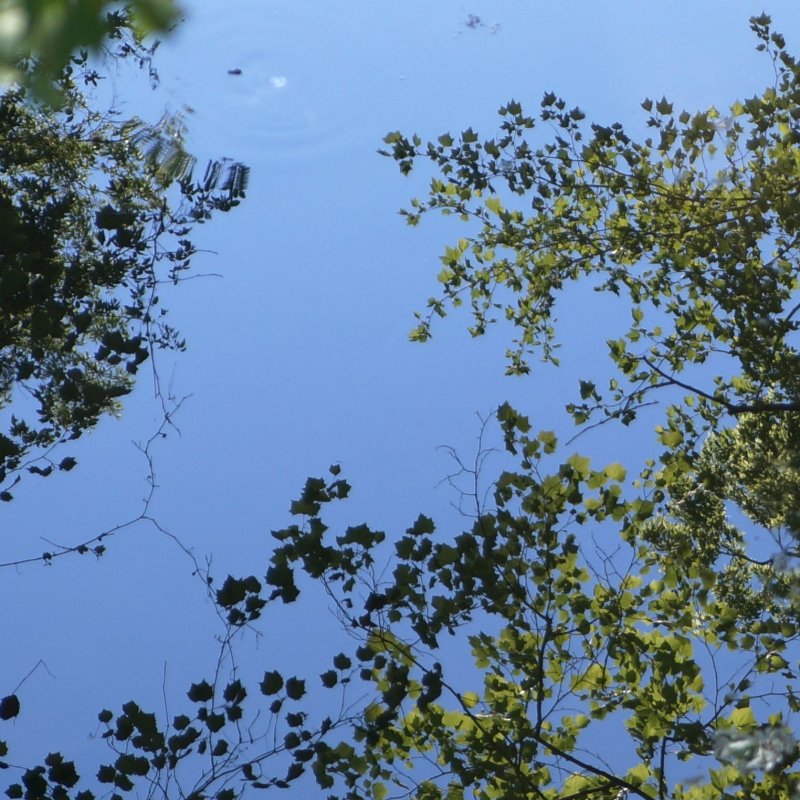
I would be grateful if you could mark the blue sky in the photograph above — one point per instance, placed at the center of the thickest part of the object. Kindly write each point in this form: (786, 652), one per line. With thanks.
(298, 356)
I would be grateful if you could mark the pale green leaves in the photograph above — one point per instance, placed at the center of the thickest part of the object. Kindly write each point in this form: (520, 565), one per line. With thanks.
(51, 31)
(696, 226)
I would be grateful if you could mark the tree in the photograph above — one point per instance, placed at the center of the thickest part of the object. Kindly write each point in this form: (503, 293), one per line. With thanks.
(696, 227)
(679, 634)
(96, 214)
(51, 31)
(628, 631)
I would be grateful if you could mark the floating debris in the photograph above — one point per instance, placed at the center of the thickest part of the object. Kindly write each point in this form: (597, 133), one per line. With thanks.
(475, 22)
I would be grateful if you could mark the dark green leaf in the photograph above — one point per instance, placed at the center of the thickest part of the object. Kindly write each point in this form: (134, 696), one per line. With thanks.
(200, 692)
(272, 683)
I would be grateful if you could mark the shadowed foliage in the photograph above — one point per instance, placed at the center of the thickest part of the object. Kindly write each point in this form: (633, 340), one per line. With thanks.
(96, 215)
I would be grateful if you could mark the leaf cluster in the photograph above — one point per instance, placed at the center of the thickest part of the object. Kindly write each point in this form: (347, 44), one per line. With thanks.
(568, 638)
(51, 32)
(696, 226)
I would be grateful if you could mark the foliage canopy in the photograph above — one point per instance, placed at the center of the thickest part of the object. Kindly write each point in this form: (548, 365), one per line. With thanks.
(696, 227)
(628, 631)
(51, 31)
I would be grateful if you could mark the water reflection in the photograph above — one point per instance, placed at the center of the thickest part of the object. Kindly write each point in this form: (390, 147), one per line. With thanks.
(271, 79)
(274, 79)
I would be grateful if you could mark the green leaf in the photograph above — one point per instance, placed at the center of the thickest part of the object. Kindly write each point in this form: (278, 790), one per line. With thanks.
(494, 205)
(379, 790)
(663, 106)
(670, 438)
(470, 699)
(581, 464)
(743, 717)
(616, 472)
(548, 439)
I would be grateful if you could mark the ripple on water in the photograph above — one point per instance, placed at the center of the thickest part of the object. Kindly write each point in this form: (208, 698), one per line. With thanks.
(271, 79)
